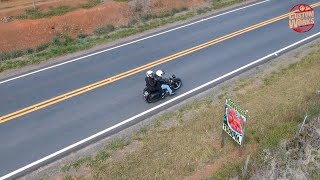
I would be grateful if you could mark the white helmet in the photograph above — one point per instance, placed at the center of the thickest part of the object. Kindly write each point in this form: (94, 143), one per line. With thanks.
(149, 73)
(160, 73)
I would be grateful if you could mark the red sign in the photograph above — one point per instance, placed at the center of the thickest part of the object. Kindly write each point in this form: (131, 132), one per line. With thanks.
(301, 18)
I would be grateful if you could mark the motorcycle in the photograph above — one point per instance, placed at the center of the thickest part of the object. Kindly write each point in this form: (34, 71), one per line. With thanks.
(173, 82)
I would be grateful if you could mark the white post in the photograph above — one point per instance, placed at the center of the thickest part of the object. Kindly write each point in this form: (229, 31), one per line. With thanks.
(34, 4)
(243, 125)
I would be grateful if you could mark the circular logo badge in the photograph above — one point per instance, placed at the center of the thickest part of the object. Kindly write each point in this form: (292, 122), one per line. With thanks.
(301, 18)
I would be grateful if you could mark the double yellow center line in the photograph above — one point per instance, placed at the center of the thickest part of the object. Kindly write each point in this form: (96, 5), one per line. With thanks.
(136, 70)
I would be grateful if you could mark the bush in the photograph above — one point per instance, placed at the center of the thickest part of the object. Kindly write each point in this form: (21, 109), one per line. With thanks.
(132, 22)
(82, 35)
(22, 16)
(58, 11)
(56, 41)
(183, 9)
(104, 30)
(5, 56)
(67, 40)
(175, 11)
(201, 11)
(42, 47)
(124, 26)
(16, 54)
(29, 51)
(147, 17)
(34, 13)
(90, 4)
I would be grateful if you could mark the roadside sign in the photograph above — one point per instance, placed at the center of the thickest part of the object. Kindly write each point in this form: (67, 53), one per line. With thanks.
(234, 117)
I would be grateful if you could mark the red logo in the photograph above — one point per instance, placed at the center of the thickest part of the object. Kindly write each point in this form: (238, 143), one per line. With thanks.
(301, 18)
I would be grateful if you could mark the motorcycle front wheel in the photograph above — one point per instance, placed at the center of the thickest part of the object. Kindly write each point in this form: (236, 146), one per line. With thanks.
(176, 84)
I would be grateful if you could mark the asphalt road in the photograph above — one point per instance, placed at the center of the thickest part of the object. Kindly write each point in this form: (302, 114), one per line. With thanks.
(28, 138)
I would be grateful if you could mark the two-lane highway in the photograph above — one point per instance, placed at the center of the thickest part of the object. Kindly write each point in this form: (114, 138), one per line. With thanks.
(41, 132)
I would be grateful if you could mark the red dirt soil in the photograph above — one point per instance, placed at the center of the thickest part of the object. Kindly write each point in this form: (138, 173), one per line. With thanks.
(22, 34)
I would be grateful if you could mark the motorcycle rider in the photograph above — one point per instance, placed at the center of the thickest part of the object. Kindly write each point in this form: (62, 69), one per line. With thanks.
(162, 83)
(151, 82)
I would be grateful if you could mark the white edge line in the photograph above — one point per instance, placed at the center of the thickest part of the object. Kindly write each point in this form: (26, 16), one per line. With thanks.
(152, 109)
(138, 40)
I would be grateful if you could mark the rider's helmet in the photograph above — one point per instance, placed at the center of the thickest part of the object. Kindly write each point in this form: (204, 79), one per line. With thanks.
(159, 73)
(149, 73)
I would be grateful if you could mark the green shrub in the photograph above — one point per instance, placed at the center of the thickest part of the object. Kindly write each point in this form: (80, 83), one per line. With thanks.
(123, 26)
(56, 41)
(183, 9)
(58, 11)
(22, 16)
(67, 40)
(34, 13)
(82, 35)
(132, 22)
(175, 11)
(16, 54)
(201, 11)
(42, 47)
(5, 56)
(163, 15)
(29, 51)
(104, 30)
(90, 4)
(172, 12)
(147, 17)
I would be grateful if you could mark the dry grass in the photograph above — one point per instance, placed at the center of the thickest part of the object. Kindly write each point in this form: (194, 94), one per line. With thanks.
(191, 141)
(277, 106)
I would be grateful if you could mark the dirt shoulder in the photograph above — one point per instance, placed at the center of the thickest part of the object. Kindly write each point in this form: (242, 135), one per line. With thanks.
(184, 141)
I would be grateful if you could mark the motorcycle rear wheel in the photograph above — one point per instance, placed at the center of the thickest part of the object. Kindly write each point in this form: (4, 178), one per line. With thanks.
(146, 97)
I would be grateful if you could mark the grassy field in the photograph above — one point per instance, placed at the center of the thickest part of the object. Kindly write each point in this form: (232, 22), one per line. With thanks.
(64, 44)
(186, 143)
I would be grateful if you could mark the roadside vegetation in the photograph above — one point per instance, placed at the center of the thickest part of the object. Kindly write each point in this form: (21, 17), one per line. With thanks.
(64, 43)
(36, 13)
(185, 143)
